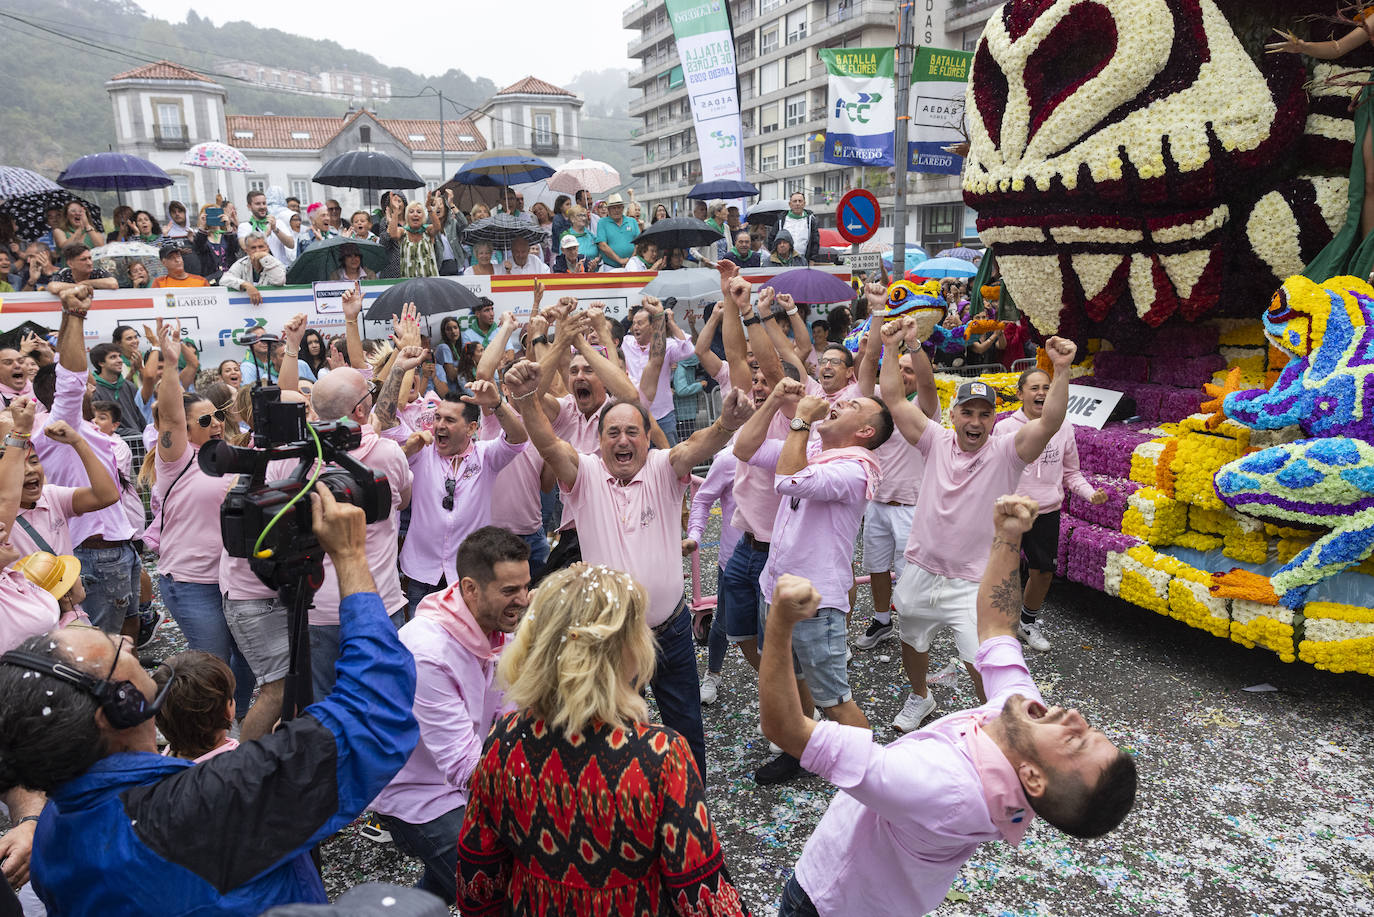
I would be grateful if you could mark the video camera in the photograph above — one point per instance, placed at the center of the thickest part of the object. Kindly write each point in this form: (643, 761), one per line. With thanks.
(282, 432)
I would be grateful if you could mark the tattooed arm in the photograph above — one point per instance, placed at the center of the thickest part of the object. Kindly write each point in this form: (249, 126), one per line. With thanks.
(999, 594)
(384, 411)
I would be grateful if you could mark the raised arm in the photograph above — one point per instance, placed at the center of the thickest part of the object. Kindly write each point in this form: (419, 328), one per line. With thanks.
(709, 361)
(801, 340)
(488, 397)
(353, 339)
(71, 337)
(999, 594)
(102, 490)
(187, 374)
(384, 411)
(16, 420)
(1033, 437)
(731, 330)
(492, 353)
(522, 383)
(703, 444)
(395, 214)
(289, 376)
(171, 413)
(782, 345)
(755, 430)
(793, 457)
(780, 713)
(907, 417)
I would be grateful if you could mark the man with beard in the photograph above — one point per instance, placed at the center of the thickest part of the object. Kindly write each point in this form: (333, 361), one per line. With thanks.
(912, 812)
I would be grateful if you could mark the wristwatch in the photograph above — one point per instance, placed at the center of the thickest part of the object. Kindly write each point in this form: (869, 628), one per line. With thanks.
(12, 439)
(538, 339)
(800, 425)
(752, 320)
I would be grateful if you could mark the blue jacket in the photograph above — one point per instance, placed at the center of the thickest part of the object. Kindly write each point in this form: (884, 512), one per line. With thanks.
(142, 834)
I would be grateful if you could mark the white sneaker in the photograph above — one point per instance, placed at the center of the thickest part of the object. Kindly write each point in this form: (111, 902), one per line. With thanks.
(709, 686)
(1033, 637)
(914, 711)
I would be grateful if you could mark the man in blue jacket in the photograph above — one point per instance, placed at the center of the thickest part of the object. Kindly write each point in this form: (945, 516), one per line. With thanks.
(127, 831)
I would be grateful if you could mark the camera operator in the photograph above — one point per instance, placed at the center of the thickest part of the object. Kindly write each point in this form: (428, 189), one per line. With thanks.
(128, 831)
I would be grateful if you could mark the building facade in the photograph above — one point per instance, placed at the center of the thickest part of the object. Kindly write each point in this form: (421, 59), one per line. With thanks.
(336, 84)
(163, 109)
(783, 93)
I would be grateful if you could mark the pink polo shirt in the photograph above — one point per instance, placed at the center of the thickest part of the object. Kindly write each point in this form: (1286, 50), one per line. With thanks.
(718, 485)
(636, 528)
(636, 358)
(909, 813)
(431, 548)
(953, 528)
(26, 610)
(902, 468)
(63, 466)
(49, 519)
(189, 544)
(1044, 479)
(515, 500)
(817, 390)
(756, 500)
(818, 519)
(579, 431)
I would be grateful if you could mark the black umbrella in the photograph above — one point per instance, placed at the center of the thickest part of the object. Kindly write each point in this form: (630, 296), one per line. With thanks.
(431, 295)
(322, 260)
(680, 232)
(766, 212)
(27, 210)
(723, 188)
(372, 171)
(500, 229)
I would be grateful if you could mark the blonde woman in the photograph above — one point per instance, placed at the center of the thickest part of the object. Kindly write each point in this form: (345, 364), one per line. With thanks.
(574, 674)
(410, 241)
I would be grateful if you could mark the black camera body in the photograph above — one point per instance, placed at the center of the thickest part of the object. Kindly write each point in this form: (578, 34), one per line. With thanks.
(284, 433)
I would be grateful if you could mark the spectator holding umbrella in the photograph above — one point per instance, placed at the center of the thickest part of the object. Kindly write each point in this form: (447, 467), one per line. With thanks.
(646, 257)
(660, 213)
(352, 268)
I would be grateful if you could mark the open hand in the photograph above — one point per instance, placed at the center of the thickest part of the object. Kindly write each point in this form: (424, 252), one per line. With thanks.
(484, 394)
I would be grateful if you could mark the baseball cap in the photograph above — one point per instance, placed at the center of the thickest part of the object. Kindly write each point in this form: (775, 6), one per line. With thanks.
(975, 391)
(568, 242)
(169, 249)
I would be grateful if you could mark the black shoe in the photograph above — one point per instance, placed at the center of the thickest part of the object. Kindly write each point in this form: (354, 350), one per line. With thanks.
(780, 770)
(147, 627)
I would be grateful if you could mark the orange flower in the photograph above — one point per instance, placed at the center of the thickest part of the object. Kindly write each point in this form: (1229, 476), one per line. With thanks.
(1242, 584)
(1218, 400)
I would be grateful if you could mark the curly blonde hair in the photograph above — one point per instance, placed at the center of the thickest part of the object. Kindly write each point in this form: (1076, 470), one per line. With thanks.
(583, 651)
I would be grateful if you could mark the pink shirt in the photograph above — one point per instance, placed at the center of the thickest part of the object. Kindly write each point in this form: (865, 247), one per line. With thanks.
(190, 543)
(636, 527)
(818, 519)
(49, 519)
(902, 468)
(237, 580)
(756, 500)
(717, 486)
(515, 500)
(456, 700)
(431, 548)
(909, 813)
(817, 390)
(1044, 479)
(579, 431)
(26, 610)
(63, 466)
(636, 357)
(953, 528)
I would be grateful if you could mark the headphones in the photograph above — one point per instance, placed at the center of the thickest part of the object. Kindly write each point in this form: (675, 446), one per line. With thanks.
(123, 703)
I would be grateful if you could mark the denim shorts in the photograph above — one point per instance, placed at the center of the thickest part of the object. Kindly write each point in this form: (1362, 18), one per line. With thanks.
(259, 629)
(739, 591)
(818, 651)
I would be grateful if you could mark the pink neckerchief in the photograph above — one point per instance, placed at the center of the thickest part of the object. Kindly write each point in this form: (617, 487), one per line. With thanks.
(9, 394)
(447, 609)
(859, 453)
(1006, 799)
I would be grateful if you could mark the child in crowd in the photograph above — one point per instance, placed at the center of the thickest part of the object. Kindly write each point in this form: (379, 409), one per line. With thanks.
(199, 709)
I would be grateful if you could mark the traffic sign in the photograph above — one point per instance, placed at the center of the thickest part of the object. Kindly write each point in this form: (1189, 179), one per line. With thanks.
(865, 261)
(858, 215)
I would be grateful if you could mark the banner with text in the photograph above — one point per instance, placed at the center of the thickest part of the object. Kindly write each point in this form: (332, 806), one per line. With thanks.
(939, 78)
(860, 121)
(707, 48)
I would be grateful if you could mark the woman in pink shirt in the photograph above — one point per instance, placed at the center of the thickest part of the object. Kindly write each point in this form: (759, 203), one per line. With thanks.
(190, 544)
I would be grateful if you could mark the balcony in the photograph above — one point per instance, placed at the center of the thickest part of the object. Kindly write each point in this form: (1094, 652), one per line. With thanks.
(171, 136)
(544, 143)
(965, 13)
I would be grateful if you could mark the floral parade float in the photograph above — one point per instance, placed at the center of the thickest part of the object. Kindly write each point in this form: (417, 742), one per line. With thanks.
(1148, 179)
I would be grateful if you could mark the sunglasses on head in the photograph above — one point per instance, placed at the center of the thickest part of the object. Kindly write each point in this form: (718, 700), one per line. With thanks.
(204, 419)
(449, 485)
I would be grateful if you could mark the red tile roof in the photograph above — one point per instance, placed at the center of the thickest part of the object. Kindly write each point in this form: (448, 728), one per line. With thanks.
(403, 128)
(532, 85)
(274, 132)
(162, 70)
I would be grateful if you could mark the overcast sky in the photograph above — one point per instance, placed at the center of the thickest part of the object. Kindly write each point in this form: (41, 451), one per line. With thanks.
(552, 39)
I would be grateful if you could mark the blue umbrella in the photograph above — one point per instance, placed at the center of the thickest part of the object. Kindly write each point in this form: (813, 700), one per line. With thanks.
(944, 267)
(914, 256)
(808, 285)
(504, 166)
(958, 251)
(725, 189)
(113, 172)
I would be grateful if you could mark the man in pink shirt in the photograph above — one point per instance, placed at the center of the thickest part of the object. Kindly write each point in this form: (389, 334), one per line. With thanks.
(650, 334)
(628, 505)
(456, 638)
(833, 369)
(967, 468)
(823, 500)
(911, 812)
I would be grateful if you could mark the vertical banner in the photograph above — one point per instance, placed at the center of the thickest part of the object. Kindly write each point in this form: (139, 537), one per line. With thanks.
(707, 48)
(861, 114)
(939, 77)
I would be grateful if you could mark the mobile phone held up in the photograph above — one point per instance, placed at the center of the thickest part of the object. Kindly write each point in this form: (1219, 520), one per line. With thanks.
(214, 216)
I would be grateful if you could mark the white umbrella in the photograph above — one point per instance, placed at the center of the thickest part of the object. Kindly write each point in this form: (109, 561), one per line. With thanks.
(590, 174)
(215, 155)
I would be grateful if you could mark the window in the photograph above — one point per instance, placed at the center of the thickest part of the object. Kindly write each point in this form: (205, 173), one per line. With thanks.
(769, 40)
(768, 118)
(257, 183)
(300, 188)
(768, 157)
(796, 26)
(793, 185)
(940, 219)
(768, 190)
(796, 110)
(181, 189)
(543, 127)
(768, 79)
(243, 135)
(416, 138)
(796, 152)
(432, 184)
(169, 114)
(766, 6)
(832, 181)
(796, 69)
(300, 135)
(365, 134)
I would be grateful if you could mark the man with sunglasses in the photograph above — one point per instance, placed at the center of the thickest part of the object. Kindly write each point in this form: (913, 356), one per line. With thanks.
(76, 712)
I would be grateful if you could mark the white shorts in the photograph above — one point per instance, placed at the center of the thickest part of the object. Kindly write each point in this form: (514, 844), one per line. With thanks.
(886, 530)
(927, 601)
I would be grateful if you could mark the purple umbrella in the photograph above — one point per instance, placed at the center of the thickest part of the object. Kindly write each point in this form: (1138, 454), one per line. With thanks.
(967, 254)
(811, 286)
(113, 172)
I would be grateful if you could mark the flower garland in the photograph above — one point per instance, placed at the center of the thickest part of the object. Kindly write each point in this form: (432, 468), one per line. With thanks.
(1338, 638)
(1191, 602)
(1154, 517)
(1269, 626)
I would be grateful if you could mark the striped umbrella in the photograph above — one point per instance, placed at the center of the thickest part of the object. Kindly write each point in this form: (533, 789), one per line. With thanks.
(967, 254)
(215, 155)
(15, 181)
(499, 229)
(503, 166)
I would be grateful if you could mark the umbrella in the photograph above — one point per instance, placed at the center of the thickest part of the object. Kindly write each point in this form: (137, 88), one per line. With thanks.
(944, 267)
(27, 210)
(767, 211)
(831, 238)
(215, 155)
(117, 256)
(809, 285)
(500, 229)
(585, 174)
(15, 181)
(971, 255)
(367, 170)
(431, 295)
(680, 232)
(724, 188)
(503, 166)
(690, 286)
(113, 172)
(322, 260)
(914, 256)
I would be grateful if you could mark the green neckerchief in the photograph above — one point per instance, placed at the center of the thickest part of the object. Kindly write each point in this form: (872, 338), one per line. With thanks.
(259, 225)
(112, 386)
